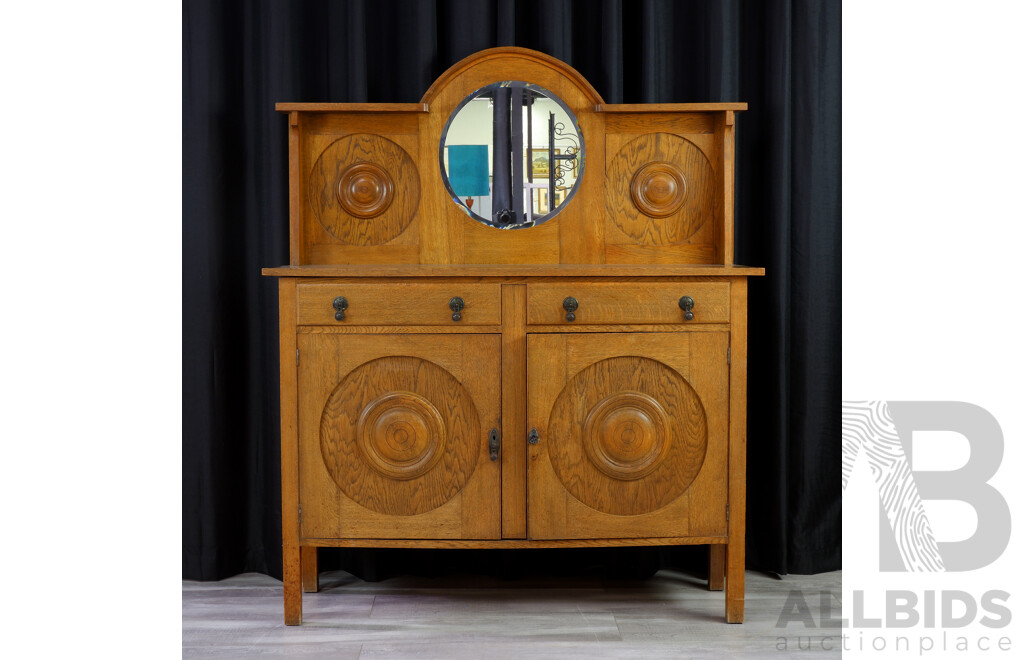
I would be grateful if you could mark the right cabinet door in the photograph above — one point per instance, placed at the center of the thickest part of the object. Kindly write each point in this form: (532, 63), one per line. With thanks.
(632, 434)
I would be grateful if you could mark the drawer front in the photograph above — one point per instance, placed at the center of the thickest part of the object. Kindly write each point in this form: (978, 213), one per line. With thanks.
(627, 302)
(398, 304)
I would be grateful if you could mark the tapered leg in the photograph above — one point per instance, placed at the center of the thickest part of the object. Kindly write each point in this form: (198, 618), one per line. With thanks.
(734, 564)
(292, 585)
(310, 574)
(716, 567)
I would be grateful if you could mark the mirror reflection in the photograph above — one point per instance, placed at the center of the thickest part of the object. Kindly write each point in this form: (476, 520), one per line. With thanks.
(512, 155)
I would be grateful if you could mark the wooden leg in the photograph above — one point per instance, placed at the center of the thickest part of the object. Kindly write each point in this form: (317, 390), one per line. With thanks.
(310, 575)
(734, 566)
(716, 567)
(292, 585)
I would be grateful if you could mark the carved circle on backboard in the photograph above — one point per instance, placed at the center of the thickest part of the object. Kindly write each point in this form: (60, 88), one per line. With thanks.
(627, 435)
(400, 435)
(660, 189)
(364, 189)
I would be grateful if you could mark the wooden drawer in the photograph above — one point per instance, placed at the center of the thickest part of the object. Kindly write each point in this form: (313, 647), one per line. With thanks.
(399, 303)
(627, 302)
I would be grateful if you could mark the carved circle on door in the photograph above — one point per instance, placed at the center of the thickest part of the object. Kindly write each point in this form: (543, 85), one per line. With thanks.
(364, 189)
(627, 435)
(400, 435)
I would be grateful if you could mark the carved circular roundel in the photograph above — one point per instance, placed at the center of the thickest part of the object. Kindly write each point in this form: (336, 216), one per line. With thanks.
(365, 190)
(628, 435)
(400, 435)
(662, 176)
(658, 189)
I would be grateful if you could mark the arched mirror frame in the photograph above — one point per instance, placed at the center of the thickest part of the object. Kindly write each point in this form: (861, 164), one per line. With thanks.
(574, 234)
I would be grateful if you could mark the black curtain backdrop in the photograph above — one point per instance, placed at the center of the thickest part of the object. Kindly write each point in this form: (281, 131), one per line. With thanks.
(239, 58)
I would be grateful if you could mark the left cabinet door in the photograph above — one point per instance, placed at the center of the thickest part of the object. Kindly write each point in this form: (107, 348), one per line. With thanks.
(394, 436)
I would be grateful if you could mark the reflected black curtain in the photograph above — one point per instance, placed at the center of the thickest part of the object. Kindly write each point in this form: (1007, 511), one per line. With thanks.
(239, 58)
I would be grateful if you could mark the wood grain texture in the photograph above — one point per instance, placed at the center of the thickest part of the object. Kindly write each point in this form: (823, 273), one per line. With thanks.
(511, 61)
(399, 304)
(687, 161)
(716, 567)
(515, 270)
(690, 124)
(515, 544)
(614, 302)
(291, 557)
(669, 107)
(627, 435)
(351, 107)
(658, 189)
(364, 189)
(393, 436)
(398, 329)
(555, 508)
(447, 234)
(400, 435)
(736, 552)
(725, 156)
(310, 570)
(295, 176)
(695, 253)
(513, 416)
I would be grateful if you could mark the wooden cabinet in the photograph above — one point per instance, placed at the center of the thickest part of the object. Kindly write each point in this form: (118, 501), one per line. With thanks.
(558, 369)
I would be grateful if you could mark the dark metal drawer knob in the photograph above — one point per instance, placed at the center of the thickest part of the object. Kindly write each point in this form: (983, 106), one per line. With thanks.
(340, 304)
(456, 304)
(534, 437)
(686, 304)
(570, 305)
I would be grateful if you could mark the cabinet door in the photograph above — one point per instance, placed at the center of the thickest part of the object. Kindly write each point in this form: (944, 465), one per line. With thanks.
(393, 436)
(633, 432)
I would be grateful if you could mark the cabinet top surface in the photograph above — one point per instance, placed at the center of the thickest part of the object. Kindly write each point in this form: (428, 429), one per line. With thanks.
(515, 270)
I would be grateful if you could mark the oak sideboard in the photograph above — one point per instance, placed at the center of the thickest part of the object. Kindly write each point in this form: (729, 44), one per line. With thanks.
(511, 319)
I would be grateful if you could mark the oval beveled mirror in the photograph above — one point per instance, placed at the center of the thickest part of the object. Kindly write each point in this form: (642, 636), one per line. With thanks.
(512, 155)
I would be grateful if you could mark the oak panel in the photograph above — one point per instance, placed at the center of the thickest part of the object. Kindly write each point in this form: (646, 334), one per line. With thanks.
(564, 493)
(513, 406)
(694, 198)
(663, 122)
(364, 189)
(393, 436)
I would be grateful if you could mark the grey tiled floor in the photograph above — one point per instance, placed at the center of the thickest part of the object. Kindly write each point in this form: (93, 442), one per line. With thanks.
(671, 615)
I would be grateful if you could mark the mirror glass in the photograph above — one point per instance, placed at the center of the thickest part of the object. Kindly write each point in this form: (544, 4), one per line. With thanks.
(512, 155)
